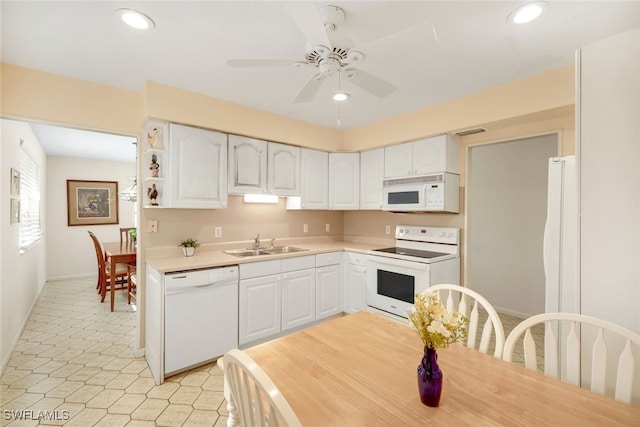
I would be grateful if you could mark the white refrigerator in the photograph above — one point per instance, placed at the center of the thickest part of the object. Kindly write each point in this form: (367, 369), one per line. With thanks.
(560, 247)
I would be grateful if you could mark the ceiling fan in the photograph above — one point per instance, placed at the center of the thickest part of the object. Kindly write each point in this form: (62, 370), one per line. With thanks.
(316, 23)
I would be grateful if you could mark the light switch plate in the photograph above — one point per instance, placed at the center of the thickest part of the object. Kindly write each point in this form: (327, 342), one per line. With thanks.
(218, 232)
(305, 228)
(327, 227)
(387, 229)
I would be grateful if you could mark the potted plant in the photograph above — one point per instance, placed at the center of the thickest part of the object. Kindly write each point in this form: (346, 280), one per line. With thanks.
(189, 246)
(134, 234)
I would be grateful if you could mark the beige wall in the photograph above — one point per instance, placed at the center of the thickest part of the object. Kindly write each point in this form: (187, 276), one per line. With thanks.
(534, 95)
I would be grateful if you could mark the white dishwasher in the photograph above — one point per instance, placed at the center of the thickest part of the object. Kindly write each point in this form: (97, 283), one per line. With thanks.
(200, 316)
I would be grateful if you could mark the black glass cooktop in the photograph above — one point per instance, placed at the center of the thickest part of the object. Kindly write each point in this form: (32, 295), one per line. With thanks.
(412, 252)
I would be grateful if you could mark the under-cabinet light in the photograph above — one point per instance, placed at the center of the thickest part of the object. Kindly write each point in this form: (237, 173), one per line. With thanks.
(260, 198)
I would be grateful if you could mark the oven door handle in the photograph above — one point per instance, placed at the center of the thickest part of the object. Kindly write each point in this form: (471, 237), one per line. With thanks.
(381, 262)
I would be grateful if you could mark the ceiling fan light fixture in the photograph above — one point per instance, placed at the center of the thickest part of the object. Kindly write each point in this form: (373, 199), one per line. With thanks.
(135, 19)
(341, 96)
(527, 12)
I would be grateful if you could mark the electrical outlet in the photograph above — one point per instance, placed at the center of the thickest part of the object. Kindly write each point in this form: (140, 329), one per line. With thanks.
(387, 229)
(327, 227)
(152, 226)
(305, 228)
(218, 232)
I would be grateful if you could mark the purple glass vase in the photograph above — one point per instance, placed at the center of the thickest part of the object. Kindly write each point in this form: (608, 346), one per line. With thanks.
(430, 378)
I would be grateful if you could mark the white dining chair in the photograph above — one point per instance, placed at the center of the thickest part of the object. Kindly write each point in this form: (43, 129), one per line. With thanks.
(567, 347)
(469, 303)
(253, 395)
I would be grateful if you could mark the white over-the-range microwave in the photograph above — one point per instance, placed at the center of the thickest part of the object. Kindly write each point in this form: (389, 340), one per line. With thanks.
(426, 193)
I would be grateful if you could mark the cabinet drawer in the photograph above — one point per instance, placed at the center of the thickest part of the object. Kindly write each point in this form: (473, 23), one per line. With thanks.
(328, 259)
(356, 258)
(298, 263)
(258, 269)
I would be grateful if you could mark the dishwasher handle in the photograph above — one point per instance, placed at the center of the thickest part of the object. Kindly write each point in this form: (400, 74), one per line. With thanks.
(172, 290)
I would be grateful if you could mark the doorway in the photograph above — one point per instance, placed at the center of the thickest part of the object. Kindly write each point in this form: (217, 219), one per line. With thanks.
(506, 213)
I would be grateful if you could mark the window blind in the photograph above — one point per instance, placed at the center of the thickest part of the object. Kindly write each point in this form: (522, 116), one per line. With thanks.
(30, 230)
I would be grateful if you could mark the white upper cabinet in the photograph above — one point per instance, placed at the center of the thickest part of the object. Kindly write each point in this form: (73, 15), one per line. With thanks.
(344, 181)
(422, 157)
(314, 186)
(398, 160)
(247, 165)
(283, 171)
(371, 177)
(197, 168)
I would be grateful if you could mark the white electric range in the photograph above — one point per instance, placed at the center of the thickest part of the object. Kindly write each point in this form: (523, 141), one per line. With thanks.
(422, 257)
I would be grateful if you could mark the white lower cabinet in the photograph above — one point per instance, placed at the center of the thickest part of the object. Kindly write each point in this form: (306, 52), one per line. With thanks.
(275, 296)
(298, 298)
(328, 285)
(355, 283)
(260, 307)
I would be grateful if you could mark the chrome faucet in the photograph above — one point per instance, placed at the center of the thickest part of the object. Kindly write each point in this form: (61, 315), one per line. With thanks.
(257, 241)
(273, 242)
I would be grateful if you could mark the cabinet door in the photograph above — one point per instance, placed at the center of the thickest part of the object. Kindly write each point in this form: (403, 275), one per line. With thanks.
(356, 288)
(314, 188)
(398, 160)
(328, 291)
(371, 177)
(298, 298)
(198, 168)
(260, 306)
(283, 169)
(430, 155)
(344, 181)
(247, 165)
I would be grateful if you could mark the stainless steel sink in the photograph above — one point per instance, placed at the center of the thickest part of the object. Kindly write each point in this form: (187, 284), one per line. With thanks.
(284, 250)
(246, 252)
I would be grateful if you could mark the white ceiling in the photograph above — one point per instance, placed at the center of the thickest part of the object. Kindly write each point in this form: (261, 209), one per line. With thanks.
(432, 51)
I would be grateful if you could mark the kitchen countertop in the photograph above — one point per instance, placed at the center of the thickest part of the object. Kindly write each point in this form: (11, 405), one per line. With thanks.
(209, 256)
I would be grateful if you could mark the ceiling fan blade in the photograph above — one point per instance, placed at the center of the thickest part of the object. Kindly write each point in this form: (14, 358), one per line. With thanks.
(306, 16)
(310, 89)
(370, 83)
(259, 62)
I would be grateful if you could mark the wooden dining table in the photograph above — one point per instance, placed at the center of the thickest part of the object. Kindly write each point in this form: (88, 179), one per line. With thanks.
(360, 370)
(116, 253)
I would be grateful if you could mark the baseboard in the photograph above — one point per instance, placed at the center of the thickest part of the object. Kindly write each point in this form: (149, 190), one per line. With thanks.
(72, 276)
(514, 313)
(13, 345)
(138, 352)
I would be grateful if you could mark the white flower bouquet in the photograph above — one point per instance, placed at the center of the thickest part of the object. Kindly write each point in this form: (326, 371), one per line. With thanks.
(434, 324)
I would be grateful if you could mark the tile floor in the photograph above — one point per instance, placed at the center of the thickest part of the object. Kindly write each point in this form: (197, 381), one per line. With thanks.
(74, 366)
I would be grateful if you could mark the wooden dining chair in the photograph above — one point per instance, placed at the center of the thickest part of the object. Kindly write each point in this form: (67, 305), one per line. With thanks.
(104, 271)
(581, 350)
(125, 237)
(474, 307)
(257, 400)
(131, 282)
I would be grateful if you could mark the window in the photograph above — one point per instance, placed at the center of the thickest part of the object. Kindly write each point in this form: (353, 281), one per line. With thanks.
(30, 230)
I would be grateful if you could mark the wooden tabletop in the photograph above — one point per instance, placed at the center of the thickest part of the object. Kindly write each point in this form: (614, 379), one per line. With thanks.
(360, 369)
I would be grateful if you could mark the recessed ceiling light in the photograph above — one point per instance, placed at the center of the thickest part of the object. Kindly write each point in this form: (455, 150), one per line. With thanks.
(341, 96)
(135, 19)
(527, 12)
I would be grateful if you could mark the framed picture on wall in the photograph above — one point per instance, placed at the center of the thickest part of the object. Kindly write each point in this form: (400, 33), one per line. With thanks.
(92, 202)
(15, 182)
